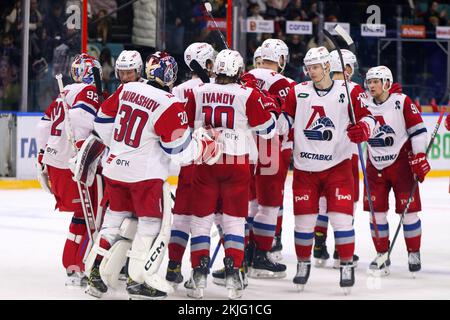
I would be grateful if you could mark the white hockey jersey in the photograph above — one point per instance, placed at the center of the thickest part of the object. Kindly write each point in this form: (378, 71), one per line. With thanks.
(143, 126)
(399, 120)
(234, 110)
(320, 124)
(82, 101)
(181, 91)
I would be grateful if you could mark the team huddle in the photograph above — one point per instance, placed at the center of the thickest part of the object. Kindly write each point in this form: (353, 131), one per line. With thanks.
(232, 135)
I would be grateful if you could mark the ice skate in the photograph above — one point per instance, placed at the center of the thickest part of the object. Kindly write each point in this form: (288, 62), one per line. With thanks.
(96, 287)
(142, 291)
(197, 283)
(234, 279)
(376, 271)
(76, 280)
(264, 267)
(414, 262)
(347, 279)
(173, 274)
(219, 277)
(302, 275)
(320, 252)
(337, 261)
(277, 247)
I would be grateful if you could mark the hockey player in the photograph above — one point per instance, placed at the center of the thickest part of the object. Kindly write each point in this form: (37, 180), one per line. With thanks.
(128, 66)
(271, 170)
(320, 232)
(231, 109)
(143, 125)
(204, 54)
(396, 157)
(257, 60)
(56, 151)
(318, 110)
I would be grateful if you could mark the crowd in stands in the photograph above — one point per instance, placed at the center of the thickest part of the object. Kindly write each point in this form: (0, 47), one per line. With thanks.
(53, 41)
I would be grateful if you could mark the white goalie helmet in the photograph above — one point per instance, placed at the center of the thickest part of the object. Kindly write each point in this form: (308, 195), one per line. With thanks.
(380, 72)
(273, 50)
(228, 62)
(129, 60)
(319, 55)
(256, 55)
(348, 57)
(201, 52)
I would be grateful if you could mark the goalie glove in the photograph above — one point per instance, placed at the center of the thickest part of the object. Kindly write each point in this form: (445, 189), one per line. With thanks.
(84, 164)
(209, 147)
(42, 173)
(419, 165)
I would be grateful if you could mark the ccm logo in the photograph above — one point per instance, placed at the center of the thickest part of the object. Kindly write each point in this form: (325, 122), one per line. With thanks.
(344, 197)
(154, 256)
(302, 198)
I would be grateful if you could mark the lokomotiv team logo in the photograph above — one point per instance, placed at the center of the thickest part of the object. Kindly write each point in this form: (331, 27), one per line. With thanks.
(320, 129)
(383, 136)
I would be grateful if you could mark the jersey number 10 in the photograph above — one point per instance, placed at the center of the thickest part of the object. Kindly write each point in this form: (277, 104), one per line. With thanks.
(214, 116)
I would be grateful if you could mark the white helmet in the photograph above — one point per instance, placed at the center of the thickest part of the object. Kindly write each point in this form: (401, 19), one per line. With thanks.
(201, 52)
(348, 57)
(229, 63)
(129, 60)
(381, 72)
(256, 55)
(316, 56)
(273, 50)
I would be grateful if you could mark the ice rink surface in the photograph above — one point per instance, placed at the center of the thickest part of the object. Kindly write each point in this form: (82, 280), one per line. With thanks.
(32, 237)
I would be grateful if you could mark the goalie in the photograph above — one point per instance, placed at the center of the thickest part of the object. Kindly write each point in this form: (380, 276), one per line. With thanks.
(143, 126)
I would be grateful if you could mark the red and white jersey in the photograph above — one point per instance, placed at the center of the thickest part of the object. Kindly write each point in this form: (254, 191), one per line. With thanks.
(143, 126)
(181, 91)
(271, 81)
(398, 121)
(320, 124)
(234, 109)
(82, 102)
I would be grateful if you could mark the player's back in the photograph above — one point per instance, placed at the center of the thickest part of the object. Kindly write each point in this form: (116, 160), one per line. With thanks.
(59, 150)
(135, 150)
(181, 91)
(272, 81)
(225, 107)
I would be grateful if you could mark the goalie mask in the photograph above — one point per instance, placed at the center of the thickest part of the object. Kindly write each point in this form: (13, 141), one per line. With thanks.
(82, 68)
(161, 68)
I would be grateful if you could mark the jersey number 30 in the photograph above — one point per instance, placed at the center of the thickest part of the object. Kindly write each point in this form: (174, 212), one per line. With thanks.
(131, 125)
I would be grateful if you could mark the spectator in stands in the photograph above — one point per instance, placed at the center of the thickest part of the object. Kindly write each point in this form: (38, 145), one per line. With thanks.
(295, 11)
(297, 50)
(54, 22)
(435, 16)
(103, 27)
(107, 5)
(36, 18)
(261, 4)
(9, 86)
(7, 49)
(107, 63)
(13, 18)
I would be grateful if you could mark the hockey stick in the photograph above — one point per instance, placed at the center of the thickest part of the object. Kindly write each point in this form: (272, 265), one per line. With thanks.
(208, 8)
(86, 203)
(98, 83)
(349, 41)
(216, 251)
(384, 257)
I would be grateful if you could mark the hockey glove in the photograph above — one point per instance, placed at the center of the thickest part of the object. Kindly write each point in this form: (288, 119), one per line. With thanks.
(210, 148)
(419, 165)
(358, 132)
(84, 164)
(42, 174)
(447, 122)
(248, 80)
